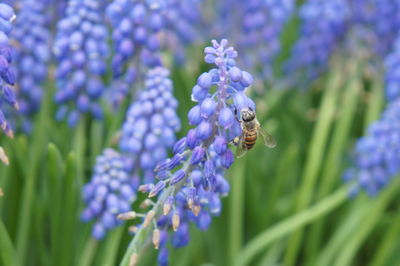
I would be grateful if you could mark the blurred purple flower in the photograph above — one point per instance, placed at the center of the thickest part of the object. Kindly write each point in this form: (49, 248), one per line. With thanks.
(81, 49)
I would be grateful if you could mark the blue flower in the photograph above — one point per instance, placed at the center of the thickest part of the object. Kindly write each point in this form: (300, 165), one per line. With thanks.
(324, 24)
(257, 32)
(32, 54)
(191, 183)
(263, 22)
(392, 70)
(7, 75)
(151, 123)
(380, 18)
(110, 192)
(141, 29)
(80, 49)
(376, 159)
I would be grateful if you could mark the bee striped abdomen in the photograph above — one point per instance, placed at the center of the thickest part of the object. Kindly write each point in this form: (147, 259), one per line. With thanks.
(250, 139)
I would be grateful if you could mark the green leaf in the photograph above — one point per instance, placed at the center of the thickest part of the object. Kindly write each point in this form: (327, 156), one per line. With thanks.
(8, 255)
(289, 225)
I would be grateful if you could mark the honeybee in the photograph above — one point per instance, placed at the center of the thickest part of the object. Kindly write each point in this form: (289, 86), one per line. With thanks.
(251, 128)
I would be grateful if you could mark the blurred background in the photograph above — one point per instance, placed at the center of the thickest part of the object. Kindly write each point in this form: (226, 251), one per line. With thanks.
(326, 83)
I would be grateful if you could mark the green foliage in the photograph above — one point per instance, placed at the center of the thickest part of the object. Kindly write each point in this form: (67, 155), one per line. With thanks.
(287, 205)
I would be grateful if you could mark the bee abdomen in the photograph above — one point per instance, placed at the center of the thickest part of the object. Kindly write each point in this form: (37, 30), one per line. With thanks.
(250, 139)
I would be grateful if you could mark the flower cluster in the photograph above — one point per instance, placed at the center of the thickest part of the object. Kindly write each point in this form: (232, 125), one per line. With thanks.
(257, 33)
(263, 22)
(323, 25)
(146, 137)
(392, 70)
(381, 19)
(31, 38)
(183, 19)
(80, 49)
(7, 75)
(140, 30)
(376, 160)
(376, 154)
(191, 183)
(111, 191)
(151, 122)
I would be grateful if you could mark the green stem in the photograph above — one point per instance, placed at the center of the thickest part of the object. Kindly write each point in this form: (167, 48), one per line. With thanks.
(314, 160)
(89, 252)
(332, 167)
(289, 157)
(8, 256)
(236, 209)
(138, 242)
(387, 244)
(35, 155)
(341, 236)
(289, 225)
(69, 206)
(376, 102)
(79, 150)
(273, 255)
(110, 251)
(96, 141)
(55, 173)
(373, 216)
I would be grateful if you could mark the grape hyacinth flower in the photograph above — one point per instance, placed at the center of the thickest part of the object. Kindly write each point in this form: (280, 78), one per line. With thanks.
(80, 49)
(151, 123)
(190, 184)
(183, 22)
(324, 24)
(111, 191)
(392, 68)
(376, 160)
(376, 154)
(7, 75)
(381, 18)
(31, 37)
(262, 25)
(140, 31)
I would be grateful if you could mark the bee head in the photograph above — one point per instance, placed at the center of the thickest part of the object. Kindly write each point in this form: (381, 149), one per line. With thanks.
(248, 115)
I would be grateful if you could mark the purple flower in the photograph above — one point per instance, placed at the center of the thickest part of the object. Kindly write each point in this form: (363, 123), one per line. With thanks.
(191, 182)
(324, 24)
(376, 159)
(379, 21)
(32, 55)
(260, 28)
(7, 75)
(138, 28)
(392, 68)
(151, 122)
(81, 49)
(110, 192)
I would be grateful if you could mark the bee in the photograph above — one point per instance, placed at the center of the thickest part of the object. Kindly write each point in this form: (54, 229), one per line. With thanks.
(251, 129)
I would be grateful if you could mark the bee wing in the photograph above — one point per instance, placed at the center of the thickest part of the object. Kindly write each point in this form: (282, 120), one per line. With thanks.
(240, 150)
(269, 141)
